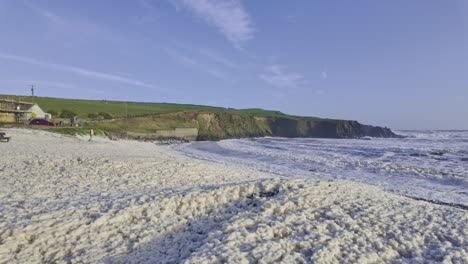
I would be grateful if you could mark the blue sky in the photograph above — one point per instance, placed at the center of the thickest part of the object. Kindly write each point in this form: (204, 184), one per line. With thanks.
(399, 63)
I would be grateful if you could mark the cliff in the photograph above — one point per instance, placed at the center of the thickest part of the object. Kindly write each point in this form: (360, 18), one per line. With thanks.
(214, 126)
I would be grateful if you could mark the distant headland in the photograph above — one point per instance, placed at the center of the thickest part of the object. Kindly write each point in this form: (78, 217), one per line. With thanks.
(151, 121)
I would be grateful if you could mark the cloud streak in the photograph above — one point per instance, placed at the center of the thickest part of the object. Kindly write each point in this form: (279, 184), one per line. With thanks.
(78, 71)
(278, 76)
(48, 84)
(325, 73)
(228, 16)
(74, 30)
(146, 4)
(54, 21)
(219, 58)
(194, 63)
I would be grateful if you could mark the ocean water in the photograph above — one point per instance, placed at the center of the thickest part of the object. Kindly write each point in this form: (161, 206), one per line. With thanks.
(431, 165)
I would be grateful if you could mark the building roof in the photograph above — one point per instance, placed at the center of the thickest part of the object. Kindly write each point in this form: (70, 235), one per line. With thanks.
(16, 102)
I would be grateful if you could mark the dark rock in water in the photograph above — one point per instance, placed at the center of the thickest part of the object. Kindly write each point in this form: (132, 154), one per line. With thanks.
(417, 155)
(436, 153)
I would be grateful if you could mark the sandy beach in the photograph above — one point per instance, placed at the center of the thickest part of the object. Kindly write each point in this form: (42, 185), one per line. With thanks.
(64, 199)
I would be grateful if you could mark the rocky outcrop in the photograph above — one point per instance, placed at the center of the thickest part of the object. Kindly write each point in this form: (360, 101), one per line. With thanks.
(284, 127)
(215, 126)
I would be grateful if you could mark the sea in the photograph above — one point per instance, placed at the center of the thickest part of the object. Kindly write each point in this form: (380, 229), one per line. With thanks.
(428, 165)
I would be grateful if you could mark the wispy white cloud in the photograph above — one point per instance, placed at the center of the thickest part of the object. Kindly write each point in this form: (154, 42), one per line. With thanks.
(278, 76)
(228, 16)
(194, 63)
(149, 15)
(180, 58)
(219, 58)
(320, 92)
(53, 20)
(62, 85)
(206, 53)
(79, 71)
(41, 84)
(73, 29)
(27, 82)
(217, 73)
(146, 4)
(145, 19)
(291, 18)
(325, 73)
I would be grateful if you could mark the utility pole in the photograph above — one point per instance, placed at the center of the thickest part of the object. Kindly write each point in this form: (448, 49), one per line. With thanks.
(126, 119)
(32, 90)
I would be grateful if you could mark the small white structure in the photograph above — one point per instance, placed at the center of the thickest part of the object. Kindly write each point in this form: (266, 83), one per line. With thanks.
(36, 111)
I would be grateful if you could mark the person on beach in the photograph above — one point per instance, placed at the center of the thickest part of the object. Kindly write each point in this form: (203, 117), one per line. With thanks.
(91, 134)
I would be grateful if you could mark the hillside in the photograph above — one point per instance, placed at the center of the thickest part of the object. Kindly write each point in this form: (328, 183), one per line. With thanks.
(120, 109)
(213, 123)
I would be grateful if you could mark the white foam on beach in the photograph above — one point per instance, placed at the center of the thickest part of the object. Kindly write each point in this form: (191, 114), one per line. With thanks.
(63, 199)
(431, 165)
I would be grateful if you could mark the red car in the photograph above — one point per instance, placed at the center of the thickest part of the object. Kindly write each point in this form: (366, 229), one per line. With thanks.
(41, 122)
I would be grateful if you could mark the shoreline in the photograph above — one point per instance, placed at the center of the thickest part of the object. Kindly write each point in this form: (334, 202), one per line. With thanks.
(454, 205)
(66, 199)
(193, 134)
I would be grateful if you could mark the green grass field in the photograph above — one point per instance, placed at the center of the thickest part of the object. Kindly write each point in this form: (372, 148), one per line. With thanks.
(119, 109)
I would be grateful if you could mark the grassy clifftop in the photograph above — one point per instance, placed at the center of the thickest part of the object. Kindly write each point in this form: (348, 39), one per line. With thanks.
(120, 109)
(212, 122)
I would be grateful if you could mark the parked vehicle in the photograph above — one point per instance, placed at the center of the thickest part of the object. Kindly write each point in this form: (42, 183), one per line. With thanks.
(41, 122)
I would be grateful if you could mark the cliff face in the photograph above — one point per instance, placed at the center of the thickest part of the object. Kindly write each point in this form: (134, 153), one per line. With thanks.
(213, 126)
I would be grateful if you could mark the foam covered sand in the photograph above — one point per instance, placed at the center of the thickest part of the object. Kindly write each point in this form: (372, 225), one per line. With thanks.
(63, 199)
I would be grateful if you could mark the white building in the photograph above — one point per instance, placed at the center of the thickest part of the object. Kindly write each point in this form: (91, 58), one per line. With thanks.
(12, 111)
(36, 111)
